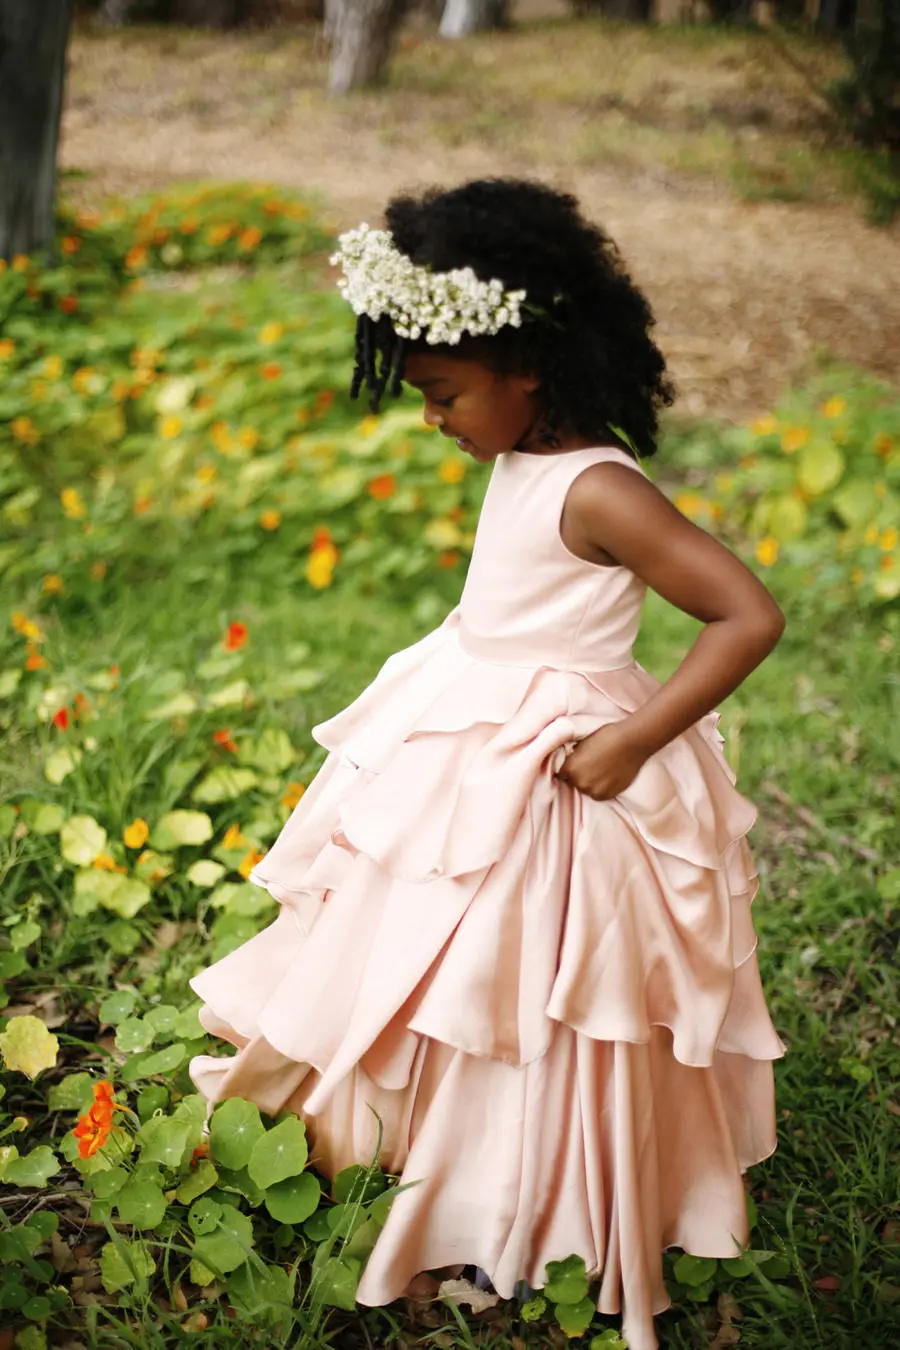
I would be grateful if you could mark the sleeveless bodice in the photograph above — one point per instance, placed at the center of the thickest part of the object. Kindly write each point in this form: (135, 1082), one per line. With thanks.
(527, 599)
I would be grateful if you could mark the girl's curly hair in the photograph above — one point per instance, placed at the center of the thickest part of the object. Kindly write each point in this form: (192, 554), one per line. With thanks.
(601, 372)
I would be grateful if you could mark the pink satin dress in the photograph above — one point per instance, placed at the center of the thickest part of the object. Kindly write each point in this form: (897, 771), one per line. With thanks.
(553, 1003)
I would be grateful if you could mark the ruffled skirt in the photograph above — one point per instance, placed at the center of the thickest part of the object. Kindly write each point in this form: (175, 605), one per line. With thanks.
(552, 1003)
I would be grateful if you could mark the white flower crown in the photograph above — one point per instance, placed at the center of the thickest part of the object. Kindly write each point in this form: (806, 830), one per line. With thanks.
(379, 279)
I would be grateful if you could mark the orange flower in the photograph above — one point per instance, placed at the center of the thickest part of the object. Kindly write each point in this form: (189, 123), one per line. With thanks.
(218, 234)
(292, 795)
(270, 520)
(223, 738)
(448, 559)
(93, 1129)
(383, 487)
(80, 705)
(35, 660)
(99, 570)
(190, 225)
(136, 258)
(68, 304)
(136, 834)
(23, 429)
(233, 838)
(248, 437)
(235, 637)
(321, 537)
(248, 239)
(7, 347)
(451, 470)
(71, 244)
(324, 400)
(247, 864)
(270, 371)
(884, 445)
(220, 436)
(141, 505)
(105, 862)
(61, 719)
(103, 1092)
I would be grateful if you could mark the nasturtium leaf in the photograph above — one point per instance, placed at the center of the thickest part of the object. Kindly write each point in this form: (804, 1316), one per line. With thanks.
(34, 1169)
(205, 872)
(855, 502)
(201, 1274)
(224, 784)
(151, 1099)
(174, 393)
(335, 1281)
(280, 1153)
(61, 763)
(107, 1184)
(162, 1019)
(344, 1220)
(188, 1026)
(179, 705)
(888, 885)
(27, 1046)
(44, 1222)
(81, 839)
(203, 1177)
(787, 518)
(271, 752)
(19, 1243)
(230, 695)
(163, 1140)
(237, 1181)
(123, 1262)
(354, 1184)
(318, 1229)
(567, 1281)
(295, 1199)
(154, 1062)
(24, 934)
(738, 1266)
(43, 817)
(36, 1309)
(261, 1295)
(75, 1092)
(12, 964)
(116, 1007)
(153, 867)
(9, 682)
(112, 891)
(694, 1270)
(235, 1128)
(178, 829)
(362, 1242)
(229, 1245)
(774, 1265)
(820, 467)
(610, 1339)
(533, 1309)
(134, 1034)
(700, 1293)
(575, 1318)
(204, 1215)
(887, 584)
(141, 1203)
(8, 820)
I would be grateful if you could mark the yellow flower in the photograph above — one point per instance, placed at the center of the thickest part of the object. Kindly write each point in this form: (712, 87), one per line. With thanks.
(53, 584)
(369, 425)
(86, 380)
(20, 262)
(764, 426)
(248, 437)
(451, 470)
(137, 833)
(247, 864)
(833, 407)
(792, 438)
(170, 426)
(320, 567)
(72, 504)
(270, 520)
(98, 570)
(888, 540)
(7, 347)
(206, 473)
(724, 482)
(767, 551)
(218, 234)
(292, 795)
(233, 838)
(690, 504)
(270, 333)
(38, 390)
(220, 436)
(871, 534)
(53, 367)
(27, 627)
(24, 430)
(105, 862)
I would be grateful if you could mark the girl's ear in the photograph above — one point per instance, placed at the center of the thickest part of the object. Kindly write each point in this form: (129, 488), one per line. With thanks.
(529, 384)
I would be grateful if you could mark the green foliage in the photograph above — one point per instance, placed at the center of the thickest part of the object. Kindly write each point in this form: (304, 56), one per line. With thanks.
(867, 99)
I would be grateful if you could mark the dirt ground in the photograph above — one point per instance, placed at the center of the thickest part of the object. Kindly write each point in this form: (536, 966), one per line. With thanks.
(747, 294)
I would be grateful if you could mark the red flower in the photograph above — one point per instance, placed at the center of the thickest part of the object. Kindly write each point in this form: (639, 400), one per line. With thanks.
(61, 719)
(235, 637)
(68, 304)
(92, 1130)
(223, 738)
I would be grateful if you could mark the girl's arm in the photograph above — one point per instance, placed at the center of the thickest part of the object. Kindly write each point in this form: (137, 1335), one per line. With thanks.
(623, 515)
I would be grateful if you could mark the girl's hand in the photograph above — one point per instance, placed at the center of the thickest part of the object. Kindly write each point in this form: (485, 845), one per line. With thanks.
(604, 763)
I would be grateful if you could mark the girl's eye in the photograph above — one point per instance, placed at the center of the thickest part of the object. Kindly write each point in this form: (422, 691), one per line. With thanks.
(445, 402)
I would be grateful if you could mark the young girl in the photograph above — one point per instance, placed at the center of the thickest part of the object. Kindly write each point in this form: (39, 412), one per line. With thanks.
(515, 900)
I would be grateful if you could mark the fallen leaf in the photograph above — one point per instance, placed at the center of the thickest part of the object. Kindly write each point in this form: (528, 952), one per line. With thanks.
(829, 1283)
(62, 1258)
(463, 1291)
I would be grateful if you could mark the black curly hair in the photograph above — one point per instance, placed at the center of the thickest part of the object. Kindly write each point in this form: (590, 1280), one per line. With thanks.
(601, 372)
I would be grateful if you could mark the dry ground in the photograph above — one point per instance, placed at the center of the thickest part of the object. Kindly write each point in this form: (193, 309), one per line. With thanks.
(682, 142)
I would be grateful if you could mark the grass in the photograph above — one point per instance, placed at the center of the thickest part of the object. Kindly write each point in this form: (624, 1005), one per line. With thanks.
(813, 733)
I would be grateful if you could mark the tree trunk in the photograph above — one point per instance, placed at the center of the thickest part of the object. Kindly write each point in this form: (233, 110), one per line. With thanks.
(362, 34)
(462, 17)
(33, 41)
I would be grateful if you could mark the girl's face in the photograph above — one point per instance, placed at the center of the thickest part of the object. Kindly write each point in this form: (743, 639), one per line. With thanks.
(485, 413)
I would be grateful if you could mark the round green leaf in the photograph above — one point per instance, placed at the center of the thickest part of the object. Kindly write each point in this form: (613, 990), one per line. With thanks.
(279, 1154)
(228, 1246)
(204, 1215)
(356, 1185)
(27, 1046)
(787, 518)
(12, 964)
(154, 1062)
(318, 1229)
(113, 891)
(134, 1034)
(335, 1282)
(75, 1092)
(294, 1199)
(271, 751)
(534, 1309)
(575, 1318)
(151, 1099)
(235, 1128)
(201, 1179)
(567, 1281)
(163, 1140)
(820, 467)
(181, 829)
(34, 1169)
(260, 1295)
(81, 839)
(43, 817)
(116, 1007)
(141, 1204)
(205, 872)
(107, 1184)
(694, 1270)
(61, 763)
(122, 1262)
(24, 934)
(224, 784)
(738, 1266)
(162, 1019)
(610, 1339)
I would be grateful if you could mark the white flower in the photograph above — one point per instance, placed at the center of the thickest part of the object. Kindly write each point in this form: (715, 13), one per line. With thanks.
(379, 279)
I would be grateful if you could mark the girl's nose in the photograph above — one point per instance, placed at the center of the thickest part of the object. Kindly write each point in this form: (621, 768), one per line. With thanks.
(432, 419)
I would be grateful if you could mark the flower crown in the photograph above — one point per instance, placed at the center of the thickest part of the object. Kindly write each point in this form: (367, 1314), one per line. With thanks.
(379, 279)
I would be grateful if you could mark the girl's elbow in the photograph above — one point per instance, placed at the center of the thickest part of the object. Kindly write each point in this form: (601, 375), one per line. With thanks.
(772, 624)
